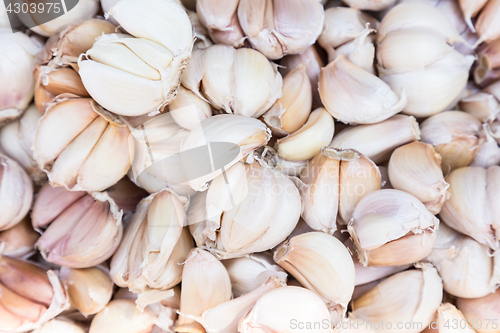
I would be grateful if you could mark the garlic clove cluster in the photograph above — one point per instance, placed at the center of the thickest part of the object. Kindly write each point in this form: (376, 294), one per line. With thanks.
(392, 228)
(81, 146)
(138, 73)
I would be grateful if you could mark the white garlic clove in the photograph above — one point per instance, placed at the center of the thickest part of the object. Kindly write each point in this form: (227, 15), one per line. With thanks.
(487, 25)
(60, 325)
(220, 18)
(481, 105)
(470, 9)
(360, 51)
(188, 110)
(374, 5)
(19, 241)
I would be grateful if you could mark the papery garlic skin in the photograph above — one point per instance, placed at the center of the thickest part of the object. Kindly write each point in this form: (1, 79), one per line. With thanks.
(16, 193)
(412, 297)
(464, 265)
(416, 168)
(480, 310)
(378, 141)
(17, 56)
(16, 139)
(154, 245)
(457, 136)
(84, 234)
(89, 289)
(472, 207)
(30, 296)
(307, 141)
(387, 223)
(19, 241)
(88, 153)
(260, 211)
(344, 86)
(280, 27)
(134, 75)
(205, 284)
(321, 263)
(277, 309)
(249, 272)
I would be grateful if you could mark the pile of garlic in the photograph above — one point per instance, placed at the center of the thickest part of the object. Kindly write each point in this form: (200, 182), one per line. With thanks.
(251, 166)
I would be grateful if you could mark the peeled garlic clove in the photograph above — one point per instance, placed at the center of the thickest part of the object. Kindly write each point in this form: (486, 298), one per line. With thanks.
(342, 25)
(470, 9)
(481, 311)
(374, 5)
(464, 265)
(188, 110)
(389, 223)
(471, 207)
(60, 325)
(16, 80)
(416, 168)
(344, 86)
(19, 241)
(16, 139)
(411, 297)
(205, 284)
(89, 289)
(121, 315)
(291, 110)
(487, 25)
(307, 141)
(277, 28)
(30, 295)
(282, 309)
(378, 141)
(360, 51)
(418, 15)
(220, 18)
(154, 245)
(85, 234)
(456, 136)
(481, 105)
(117, 86)
(321, 263)
(91, 153)
(249, 272)
(16, 193)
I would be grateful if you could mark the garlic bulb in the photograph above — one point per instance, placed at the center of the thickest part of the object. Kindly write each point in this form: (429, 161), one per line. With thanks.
(413, 66)
(472, 207)
(416, 168)
(321, 263)
(355, 96)
(464, 265)
(83, 232)
(16, 139)
(82, 10)
(488, 25)
(287, 310)
(250, 208)
(240, 81)
(411, 297)
(153, 246)
(30, 296)
(374, 5)
(17, 56)
(60, 325)
(378, 141)
(89, 289)
(81, 146)
(308, 140)
(16, 193)
(457, 136)
(481, 105)
(334, 181)
(291, 110)
(135, 74)
(205, 284)
(482, 311)
(19, 241)
(389, 223)
(249, 272)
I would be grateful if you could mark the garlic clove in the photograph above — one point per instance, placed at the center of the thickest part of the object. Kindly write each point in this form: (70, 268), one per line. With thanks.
(307, 141)
(387, 223)
(370, 4)
(344, 86)
(489, 153)
(322, 264)
(479, 310)
(456, 136)
(188, 110)
(365, 275)
(487, 25)
(416, 168)
(62, 80)
(221, 21)
(205, 284)
(360, 51)
(481, 105)
(60, 325)
(470, 9)
(378, 141)
(19, 241)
